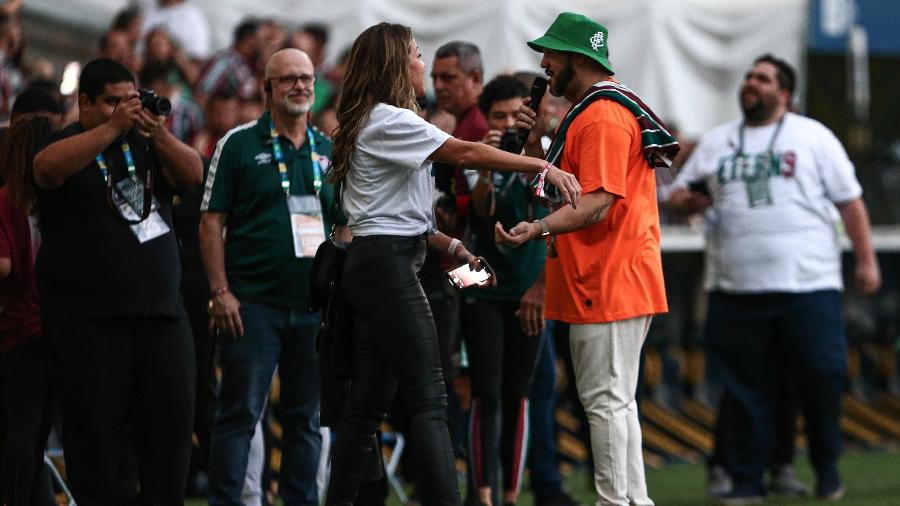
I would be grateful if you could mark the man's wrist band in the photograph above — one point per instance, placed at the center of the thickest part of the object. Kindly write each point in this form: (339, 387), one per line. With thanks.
(545, 230)
(454, 244)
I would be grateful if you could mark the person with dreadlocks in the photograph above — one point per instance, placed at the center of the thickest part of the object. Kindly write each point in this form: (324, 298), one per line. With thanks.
(604, 271)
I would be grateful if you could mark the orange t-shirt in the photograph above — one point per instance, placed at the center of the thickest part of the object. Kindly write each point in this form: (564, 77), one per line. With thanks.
(611, 270)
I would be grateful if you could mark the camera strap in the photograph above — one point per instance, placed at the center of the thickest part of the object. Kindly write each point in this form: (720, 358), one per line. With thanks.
(147, 207)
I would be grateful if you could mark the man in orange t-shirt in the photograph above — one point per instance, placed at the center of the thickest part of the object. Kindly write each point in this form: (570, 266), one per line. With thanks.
(603, 271)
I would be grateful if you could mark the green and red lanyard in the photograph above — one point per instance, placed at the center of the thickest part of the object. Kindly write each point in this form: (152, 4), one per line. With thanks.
(132, 173)
(282, 166)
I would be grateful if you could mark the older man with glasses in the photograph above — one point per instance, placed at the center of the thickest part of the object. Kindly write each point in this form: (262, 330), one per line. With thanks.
(266, 182)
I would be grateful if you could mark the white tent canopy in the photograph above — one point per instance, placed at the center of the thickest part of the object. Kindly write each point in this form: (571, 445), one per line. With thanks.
(685, 57)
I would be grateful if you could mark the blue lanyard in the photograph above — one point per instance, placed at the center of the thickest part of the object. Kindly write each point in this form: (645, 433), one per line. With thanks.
(282, 166)
(129, 161)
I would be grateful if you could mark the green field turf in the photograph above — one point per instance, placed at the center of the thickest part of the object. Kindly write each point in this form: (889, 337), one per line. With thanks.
(871, 478)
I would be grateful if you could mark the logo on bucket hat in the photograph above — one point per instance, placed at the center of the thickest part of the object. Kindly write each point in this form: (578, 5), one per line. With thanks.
(576, 33)
(597, 41)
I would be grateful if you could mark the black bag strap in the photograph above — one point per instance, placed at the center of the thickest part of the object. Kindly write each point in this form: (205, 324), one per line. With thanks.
(336, 205)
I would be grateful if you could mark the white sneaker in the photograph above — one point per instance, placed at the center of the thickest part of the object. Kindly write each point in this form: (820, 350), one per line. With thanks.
(718, 482)
(785, 483)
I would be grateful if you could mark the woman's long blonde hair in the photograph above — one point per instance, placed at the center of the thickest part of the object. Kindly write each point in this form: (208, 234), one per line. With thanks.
(378, 71)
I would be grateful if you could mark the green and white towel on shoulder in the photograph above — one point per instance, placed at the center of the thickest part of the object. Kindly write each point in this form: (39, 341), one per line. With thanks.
(658, 144)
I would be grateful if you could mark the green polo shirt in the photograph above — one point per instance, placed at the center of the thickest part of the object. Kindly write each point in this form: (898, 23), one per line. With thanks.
(244, 182)
(516, 268)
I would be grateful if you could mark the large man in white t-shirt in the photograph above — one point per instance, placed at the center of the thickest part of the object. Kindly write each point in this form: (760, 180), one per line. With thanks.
(776, 185)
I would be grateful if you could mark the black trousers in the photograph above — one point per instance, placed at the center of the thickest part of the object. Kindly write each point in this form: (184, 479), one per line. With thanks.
(28, 404)
(204, 402)
(395, 345)
(501, 364)
(757, 337)
(125, 384)
(728, 426)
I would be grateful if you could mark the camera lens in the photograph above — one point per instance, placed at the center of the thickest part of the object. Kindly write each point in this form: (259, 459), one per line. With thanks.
(162, 106)
(158, 106)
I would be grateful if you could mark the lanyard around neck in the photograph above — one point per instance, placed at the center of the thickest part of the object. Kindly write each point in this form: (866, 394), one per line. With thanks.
(769, 149)
(129, 161)
(132, 171)
(282, 166)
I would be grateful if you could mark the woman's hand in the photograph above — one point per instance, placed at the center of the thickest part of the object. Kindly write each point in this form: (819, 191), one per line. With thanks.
(463, 255)
(475, 263)
(566, 182)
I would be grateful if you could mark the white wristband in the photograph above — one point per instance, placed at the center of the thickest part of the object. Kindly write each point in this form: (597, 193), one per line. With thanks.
(454, 244)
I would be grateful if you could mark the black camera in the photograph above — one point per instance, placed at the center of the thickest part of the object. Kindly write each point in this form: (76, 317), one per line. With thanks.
(509, 142)
(158, 106)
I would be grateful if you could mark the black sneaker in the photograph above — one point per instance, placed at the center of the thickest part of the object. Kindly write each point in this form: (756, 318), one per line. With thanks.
(560, 499)
(829, 486)
(741, 494)
(831, 491)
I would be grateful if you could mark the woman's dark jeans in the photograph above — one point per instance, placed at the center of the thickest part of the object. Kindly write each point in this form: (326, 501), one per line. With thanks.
(395, 345)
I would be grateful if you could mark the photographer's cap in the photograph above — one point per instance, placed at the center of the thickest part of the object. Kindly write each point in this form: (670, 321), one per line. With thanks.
(576, 33)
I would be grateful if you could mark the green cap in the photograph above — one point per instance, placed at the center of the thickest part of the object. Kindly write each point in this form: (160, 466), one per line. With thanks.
(576, 33)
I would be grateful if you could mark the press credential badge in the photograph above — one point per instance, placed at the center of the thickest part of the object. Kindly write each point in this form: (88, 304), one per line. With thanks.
(151, 228)
(307, 226)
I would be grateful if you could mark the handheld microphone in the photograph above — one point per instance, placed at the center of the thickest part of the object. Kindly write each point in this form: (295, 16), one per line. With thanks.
(538, 87)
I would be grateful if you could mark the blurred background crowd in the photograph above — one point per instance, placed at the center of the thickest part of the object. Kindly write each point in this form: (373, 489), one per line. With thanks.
(685, 57)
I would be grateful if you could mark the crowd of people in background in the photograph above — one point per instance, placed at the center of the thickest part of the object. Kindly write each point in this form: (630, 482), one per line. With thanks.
(213, 93)
(221, 282)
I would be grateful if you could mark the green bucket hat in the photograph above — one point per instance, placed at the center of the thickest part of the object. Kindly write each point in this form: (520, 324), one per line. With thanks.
(576, 33)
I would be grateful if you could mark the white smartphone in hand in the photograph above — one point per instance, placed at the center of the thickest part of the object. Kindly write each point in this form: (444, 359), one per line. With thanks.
(463, 277)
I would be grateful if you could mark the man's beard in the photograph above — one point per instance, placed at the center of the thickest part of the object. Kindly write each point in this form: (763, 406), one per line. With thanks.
(760, 111)
(562, 80)
(293, 109)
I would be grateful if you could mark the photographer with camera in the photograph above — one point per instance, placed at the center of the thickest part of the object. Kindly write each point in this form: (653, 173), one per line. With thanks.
(502, 354)
(108, 277)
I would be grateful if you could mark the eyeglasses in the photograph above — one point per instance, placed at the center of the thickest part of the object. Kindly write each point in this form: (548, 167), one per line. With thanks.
(291, 80)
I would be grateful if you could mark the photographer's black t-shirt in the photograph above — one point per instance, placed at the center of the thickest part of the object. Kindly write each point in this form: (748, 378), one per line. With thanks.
(90, 263)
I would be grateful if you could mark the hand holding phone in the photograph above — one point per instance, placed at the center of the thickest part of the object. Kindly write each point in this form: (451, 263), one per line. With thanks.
(464, 277)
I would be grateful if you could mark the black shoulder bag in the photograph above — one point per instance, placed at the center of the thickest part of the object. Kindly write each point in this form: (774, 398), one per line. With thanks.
(335, 340)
